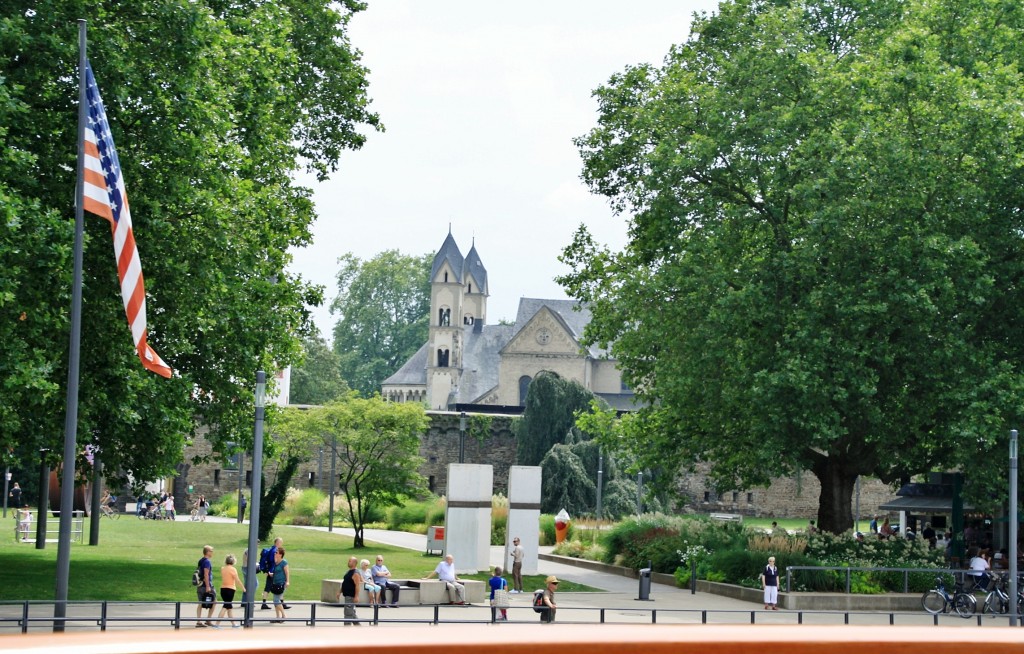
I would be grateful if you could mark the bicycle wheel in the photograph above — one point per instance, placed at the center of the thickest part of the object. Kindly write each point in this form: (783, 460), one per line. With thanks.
(991, 604)
(115, 515)
(933, 602)
(964, 604)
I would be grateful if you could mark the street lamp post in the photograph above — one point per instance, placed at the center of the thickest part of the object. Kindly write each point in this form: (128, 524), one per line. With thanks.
(7, 483)
(241, 486)
(252, 583)
(462, 437)
(600, 479)
(1014, 518)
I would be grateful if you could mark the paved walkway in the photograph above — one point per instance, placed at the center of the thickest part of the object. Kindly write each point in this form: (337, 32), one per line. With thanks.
(618, 603)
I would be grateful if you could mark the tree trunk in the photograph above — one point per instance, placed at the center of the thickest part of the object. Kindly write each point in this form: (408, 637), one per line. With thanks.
(835, 513)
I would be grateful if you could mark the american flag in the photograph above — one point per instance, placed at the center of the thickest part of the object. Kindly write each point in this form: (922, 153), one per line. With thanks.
(104, 196)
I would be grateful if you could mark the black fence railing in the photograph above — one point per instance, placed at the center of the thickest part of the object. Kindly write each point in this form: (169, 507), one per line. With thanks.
(848, 571)
(38, 616)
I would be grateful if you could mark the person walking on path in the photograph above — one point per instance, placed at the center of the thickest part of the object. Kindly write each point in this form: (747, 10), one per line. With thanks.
(228, 585)
(548, 616)
(15, 496)
(350, 591)
(770, 585)
(281, 579)
(445, 571)
(517, 555)
(498, 584)
(382, 577)
(266, 566)
(207, 597)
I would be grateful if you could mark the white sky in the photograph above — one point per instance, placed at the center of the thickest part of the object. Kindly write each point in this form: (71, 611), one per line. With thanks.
(481, 101)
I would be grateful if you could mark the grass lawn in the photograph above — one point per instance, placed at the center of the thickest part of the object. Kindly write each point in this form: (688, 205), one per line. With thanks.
(145, 560)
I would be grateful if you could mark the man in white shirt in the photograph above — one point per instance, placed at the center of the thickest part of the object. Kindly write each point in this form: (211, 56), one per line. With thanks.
(445, 571)
(517, 555)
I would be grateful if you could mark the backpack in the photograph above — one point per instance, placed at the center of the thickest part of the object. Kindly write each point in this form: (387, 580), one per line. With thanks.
(538, 602)
(267, 558)
(197, 577)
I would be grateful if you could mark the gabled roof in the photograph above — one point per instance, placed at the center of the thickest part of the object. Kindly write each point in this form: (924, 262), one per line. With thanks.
(474, 268)
(565, 311)
(449, 252)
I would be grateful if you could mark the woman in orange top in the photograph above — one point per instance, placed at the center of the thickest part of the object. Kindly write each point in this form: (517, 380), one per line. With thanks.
(229, 581)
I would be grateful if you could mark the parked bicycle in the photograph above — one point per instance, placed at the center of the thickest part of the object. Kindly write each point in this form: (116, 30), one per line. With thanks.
(996, 601)
(939, 600)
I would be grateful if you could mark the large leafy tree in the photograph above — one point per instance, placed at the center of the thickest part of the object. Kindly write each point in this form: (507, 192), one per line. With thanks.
(383, 306)
(377, 448)
(549, 414)
(214, 107)
(825, 254)
(317, 379)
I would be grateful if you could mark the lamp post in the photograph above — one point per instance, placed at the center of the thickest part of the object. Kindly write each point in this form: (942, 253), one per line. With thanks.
(241, 486)
(252, 583)
(7, 483)
(462, 437)
(1013, 527)
(640, 493)
(600, 479)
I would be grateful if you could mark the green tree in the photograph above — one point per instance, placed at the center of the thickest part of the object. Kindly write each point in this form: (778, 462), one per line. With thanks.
(825, 248)
(377, 444)
(317, 380)
(214, 107)
(549, 414)
(383, 306)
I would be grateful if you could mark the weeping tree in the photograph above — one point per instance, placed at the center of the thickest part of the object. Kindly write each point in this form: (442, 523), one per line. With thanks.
(550, 413)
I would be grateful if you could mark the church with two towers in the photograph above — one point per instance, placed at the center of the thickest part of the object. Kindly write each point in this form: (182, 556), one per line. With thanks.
(467, 364)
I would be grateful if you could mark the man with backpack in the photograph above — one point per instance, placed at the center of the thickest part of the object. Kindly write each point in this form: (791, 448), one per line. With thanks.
(266, 566)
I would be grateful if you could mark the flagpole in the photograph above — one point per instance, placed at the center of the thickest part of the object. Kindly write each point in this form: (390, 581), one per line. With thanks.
(71, 418)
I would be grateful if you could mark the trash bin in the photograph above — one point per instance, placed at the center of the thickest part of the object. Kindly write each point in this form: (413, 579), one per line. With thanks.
(645, 584)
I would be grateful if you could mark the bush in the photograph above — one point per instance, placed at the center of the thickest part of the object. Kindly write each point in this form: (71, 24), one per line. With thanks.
(424, 513)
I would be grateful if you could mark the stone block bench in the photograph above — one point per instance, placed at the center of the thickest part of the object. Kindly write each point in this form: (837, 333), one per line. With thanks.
(414, 591)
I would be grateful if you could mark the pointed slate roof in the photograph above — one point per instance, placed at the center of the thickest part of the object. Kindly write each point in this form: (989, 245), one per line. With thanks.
(414, 372)
(449, 252)
(474, 267)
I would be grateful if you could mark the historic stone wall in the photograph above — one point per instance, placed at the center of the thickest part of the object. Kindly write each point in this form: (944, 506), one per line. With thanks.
(791, 497)
(489, 440)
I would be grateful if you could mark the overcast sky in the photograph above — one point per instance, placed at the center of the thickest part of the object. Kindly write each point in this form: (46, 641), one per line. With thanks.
(481, 101)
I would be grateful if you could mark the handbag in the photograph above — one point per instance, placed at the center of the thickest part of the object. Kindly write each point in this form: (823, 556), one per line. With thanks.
(276, 588)
(501, 599)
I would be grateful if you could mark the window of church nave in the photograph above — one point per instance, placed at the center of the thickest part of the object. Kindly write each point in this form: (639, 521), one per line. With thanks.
(524, 385)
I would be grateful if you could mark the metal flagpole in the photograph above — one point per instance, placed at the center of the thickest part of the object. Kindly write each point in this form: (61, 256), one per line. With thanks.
(71, 419)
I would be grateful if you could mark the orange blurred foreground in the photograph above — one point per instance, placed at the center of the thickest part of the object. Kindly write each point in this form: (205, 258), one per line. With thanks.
(538, 639)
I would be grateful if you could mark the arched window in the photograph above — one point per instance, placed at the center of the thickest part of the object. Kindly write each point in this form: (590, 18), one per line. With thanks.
(524, 385)
(467, 319)
(442, 358)
(444, 316)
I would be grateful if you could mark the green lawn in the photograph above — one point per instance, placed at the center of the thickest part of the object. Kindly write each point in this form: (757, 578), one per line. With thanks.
(144, 560)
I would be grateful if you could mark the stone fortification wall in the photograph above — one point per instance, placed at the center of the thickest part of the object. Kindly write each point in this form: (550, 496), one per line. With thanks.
(489, 440)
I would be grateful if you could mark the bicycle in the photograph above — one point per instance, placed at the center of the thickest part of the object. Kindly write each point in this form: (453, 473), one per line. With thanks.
(996, 601)
(938, 600)
(109, 512)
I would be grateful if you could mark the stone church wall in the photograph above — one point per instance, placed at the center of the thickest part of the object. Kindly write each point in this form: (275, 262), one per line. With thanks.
(489, 440)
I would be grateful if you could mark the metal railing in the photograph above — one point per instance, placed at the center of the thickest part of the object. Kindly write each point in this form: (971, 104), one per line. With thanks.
(850, 570)
(104, 615)
(25, 526)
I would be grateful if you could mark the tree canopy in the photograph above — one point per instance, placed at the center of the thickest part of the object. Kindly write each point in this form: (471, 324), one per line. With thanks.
(317, 379)
(383, 306)
(825, 247)
(214, 106)
(377, 448)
